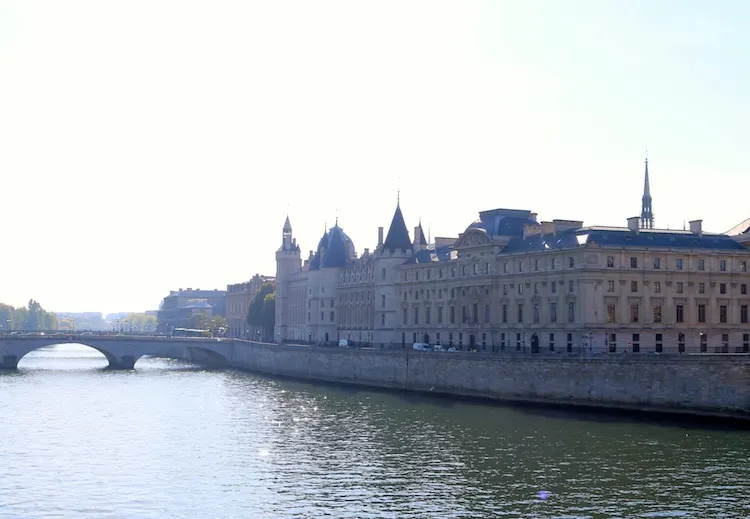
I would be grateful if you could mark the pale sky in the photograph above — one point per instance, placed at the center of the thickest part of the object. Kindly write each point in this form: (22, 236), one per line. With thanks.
(152, 145)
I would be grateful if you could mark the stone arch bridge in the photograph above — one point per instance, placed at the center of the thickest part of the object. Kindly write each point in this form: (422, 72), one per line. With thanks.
(122, 351)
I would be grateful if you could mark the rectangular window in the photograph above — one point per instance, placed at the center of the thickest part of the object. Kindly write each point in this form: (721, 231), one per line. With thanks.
(520, 289)
(416, 276)
(659, 344)
(486, 314)
(679, 287)
(723, 265)
(571, 286)
(475, 313)
(453, 315)
(429, 274)
(554, 287)
(450, 338)
(520, 312)
(634, 313)
(701, 264)
(553, 263)
(657, 313)
(746, 343)
(725, 343)
(536, 288)
(610, 286)
(612, 342)
(460, 339)
(571, 262)
(440, 314)
(743, 314)
(657, 263)
(453, 272)
(679, 313)
(486, 268)
(701, 288)
(505, 267)
(536, 264)
(701, 313)
(569, 346)
(520, 266)
(743, 289)
(636, 343)
(505, 313)
(427, 315)
(678, 264)
(505, 290)
(551, 342)
(382, 319)
(634, 286)
(722, 288)
(406, 316)
(332, 315)
(502, 341)
(610, 262)
(518, 342)
(553, 312)
(571, 312)
(464, 315)
(611, 312)
(633, 262)
(743, 266)
(437, 338)
(382, 301)
(681, 342)
(657, 287)
(723, 313)
(536, 312)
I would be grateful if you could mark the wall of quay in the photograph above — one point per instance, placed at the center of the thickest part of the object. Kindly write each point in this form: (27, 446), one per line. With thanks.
(716, 385)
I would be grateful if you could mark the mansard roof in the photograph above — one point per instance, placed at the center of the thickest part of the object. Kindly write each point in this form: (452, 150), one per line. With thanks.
(503, 222)
(446, 253)
(398, 235)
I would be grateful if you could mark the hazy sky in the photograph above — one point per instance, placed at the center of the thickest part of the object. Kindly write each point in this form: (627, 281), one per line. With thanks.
(152, 145)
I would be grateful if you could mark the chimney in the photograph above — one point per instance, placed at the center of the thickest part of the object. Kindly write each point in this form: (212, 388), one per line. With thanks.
(380, 236)
(534, 215)
(367, 252)
(531, 230)
(633, 223)
(548, 228)
(416, 235)
(696, 227)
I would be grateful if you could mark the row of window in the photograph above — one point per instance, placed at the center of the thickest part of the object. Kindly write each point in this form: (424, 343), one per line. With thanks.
(477, 269)
(679, 287)
(506, 340)
(470, 315)
(634, 344)
(635, 311)
(679, 263)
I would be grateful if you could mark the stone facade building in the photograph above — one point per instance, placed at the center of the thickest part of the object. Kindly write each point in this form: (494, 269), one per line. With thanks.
(510, 282)
(239, 296)
(178, 309)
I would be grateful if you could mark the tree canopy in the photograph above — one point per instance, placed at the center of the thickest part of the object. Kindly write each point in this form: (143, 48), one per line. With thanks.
(31, 317)
(261, 312)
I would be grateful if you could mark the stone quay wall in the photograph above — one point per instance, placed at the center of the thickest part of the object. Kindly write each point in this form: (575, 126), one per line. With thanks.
(707, 384)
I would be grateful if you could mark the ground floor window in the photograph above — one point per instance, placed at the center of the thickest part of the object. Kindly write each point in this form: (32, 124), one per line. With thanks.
(460, 340)
(704, 342)
(659, 346)
(437, 337)
(636, 342)
(414, 337)
(681, 342)
(484, 340)
(725, 343)
(612, 342)
(502, 341)
(450, 338)
(518, 342)
(746, 342)
(569, 346)
(551, 342)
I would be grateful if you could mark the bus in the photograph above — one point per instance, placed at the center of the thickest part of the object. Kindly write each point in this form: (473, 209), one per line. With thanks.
(189, 332)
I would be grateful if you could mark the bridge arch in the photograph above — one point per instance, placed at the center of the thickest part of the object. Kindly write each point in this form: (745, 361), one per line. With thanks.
(12, 355)
(202, 355)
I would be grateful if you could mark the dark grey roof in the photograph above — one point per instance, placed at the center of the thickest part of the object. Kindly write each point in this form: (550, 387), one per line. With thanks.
(503, 222)
(419, 238)
(398, 235)
(430, 256)
(336, 253)
(621, 237)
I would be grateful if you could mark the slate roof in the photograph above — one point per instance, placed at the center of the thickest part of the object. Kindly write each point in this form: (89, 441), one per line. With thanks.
(398, 235)
(432, 255)
(419, 238)
(503, 222)
(336, 253)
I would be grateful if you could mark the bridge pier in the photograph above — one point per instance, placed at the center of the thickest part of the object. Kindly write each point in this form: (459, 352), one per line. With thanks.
(9, 362)
(124, 363)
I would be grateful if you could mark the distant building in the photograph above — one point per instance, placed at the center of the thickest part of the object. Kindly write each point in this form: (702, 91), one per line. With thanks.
(239, 296)
(511, 282)
(180, 306)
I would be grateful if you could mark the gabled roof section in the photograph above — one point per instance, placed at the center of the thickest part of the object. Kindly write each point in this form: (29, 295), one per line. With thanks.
(336, 254)
(398, 235)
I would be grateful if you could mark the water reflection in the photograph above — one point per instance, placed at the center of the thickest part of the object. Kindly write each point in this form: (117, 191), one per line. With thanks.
(174, 440)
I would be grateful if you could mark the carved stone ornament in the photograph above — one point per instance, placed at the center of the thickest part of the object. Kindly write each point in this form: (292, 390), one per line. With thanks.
(592, 259)
(669, 283)
(622, 282)
(646, 282)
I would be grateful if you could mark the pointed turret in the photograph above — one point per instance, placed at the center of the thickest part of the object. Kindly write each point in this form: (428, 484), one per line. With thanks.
(398, 235)
(287, 225)
(647, 214)
(420, 242)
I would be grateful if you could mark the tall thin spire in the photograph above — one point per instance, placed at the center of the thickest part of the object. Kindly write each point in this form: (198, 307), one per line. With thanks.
(647, 213)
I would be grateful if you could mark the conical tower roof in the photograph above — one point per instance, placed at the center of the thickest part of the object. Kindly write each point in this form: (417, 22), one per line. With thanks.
(398, 234)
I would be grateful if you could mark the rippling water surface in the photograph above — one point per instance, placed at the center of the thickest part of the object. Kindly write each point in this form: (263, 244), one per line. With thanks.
(174, 440)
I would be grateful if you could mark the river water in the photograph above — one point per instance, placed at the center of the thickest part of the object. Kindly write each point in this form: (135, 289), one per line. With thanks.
(171, 440)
